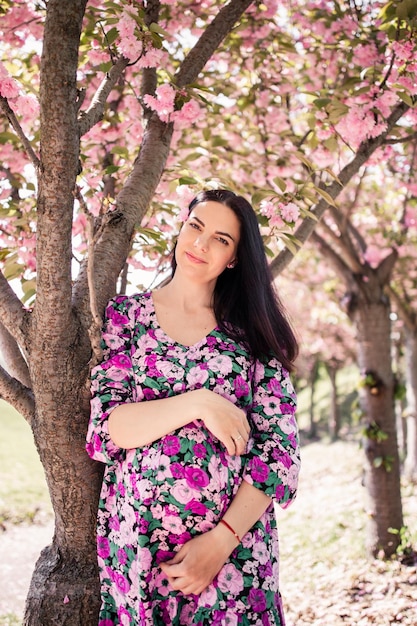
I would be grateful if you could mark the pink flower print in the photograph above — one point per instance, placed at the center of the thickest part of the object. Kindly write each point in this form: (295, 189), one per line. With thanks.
(180, 539)
(208, 597)
(285, 459)
(103, 547)
(221, 363)
(199, 450)
(114, 342)
(117, 319)
(171, 445)
(162, 584)
(287, 423)
(187, 614)
(163, 469)
(279, 492)
(292, 477)
(271, 405)
(143, 525)
(196, 478)
(121, 556)
(106, 622)
(174, 524)
(115, 374)
(260, 552)
(144, 559)
(122, 361)
(259, 470)
(257, 600)
(124, 616)
(230, 579)
(144, 487)
(143, 344)
(171, 371)
(149, 394)
(121, 582)
(274, 387)
(266, 570)
(241, 387)
(196, 376)
(177, 470)
(182, 492)
(196, 507)
(259, 372)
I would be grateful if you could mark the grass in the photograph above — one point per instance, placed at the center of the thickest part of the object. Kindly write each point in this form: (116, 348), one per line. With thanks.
(23, 490)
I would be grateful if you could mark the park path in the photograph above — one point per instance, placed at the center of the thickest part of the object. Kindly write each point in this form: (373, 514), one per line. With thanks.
(20, 546)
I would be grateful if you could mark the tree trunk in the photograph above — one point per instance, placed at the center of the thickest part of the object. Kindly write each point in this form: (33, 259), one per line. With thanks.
(312, 380)
(334, 415)
(410, 466)
(382, 470)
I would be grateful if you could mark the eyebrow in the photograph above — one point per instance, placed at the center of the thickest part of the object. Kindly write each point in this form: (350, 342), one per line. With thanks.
(218, 232)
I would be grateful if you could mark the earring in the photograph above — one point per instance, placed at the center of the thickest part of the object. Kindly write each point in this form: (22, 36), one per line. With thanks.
(232, 264)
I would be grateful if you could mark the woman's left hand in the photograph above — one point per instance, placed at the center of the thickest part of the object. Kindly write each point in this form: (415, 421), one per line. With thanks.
(199, 560)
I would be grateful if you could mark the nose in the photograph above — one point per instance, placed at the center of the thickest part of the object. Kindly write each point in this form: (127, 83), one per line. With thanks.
(201, 242)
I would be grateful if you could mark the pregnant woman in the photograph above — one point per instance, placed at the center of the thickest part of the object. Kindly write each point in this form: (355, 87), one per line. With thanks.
(192, 413)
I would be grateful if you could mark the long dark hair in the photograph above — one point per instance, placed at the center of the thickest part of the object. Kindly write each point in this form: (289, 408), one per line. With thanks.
(244, 296)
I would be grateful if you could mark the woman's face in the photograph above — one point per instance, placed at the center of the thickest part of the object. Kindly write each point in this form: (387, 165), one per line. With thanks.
(208, 241)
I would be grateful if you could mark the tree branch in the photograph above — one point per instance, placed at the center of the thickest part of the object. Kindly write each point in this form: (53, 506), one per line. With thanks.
(13, 314)
(308, 225)
(13, 358)
(345, 245)
(339, 265)
(17, 394)
(406, 314)
(149, 74)
(9, 113)
(87, 119)
(209, 41)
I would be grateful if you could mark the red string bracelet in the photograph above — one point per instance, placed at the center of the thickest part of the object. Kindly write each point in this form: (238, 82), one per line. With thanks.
(223, 521)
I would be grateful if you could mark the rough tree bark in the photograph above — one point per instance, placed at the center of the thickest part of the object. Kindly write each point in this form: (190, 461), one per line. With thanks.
(369, 309)
(334, 416)
(410, 465)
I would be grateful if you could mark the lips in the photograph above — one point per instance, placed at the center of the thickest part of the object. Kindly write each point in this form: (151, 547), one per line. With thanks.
(193, 258)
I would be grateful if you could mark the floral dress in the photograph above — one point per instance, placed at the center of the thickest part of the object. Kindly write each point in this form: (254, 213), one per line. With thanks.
(157, 497)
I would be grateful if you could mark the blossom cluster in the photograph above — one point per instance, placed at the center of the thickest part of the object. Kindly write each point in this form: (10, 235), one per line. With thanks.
(163, 103)
(24, 105)
(279, 213)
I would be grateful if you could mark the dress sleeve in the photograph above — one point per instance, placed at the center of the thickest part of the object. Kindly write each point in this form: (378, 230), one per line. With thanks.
(273, 458)
(111, 380)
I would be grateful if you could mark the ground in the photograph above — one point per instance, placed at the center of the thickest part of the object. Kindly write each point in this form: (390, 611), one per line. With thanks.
(325, 578)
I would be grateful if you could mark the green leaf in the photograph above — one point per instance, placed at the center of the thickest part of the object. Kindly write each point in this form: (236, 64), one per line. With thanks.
(280, 182)
(321, 103)
(155, 28)
(112, 35)
(111, 169)
(405, 97)
(326, 196)
(305, 160)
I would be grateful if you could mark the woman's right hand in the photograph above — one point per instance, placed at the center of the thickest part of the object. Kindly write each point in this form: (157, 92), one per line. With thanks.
(222, 418)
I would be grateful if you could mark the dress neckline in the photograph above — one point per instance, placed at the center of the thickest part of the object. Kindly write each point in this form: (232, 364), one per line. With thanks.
(170, 339)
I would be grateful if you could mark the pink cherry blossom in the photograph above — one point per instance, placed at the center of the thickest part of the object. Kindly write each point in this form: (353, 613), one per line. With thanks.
(187, 115)
(153, 57)
(162, 102)
(290, 212)
(8, 87)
